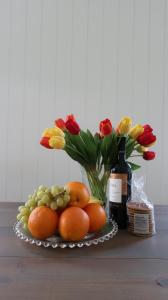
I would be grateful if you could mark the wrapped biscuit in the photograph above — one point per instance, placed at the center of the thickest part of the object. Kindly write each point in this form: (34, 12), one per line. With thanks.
(140, 210)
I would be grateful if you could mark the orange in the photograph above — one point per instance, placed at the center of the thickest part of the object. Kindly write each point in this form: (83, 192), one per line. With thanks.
(73, 224)
(43, 222)
(97, 216)
(79, 194)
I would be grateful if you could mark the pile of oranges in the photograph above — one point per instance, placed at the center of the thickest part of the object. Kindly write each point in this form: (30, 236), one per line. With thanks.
(74, 222)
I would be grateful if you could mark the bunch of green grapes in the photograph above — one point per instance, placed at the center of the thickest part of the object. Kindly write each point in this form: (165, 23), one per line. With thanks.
(56, 198)
(60, 198)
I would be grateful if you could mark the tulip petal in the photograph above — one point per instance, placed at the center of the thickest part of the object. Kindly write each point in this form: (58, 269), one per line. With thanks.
(57, 142)
(136, 131)
(124, 125)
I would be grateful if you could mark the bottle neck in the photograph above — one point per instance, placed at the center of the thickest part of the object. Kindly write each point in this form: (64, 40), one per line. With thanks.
(121, 156)
(121, 149)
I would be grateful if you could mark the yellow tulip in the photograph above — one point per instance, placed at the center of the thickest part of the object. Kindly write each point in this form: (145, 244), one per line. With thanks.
(141, 149)
(59, 132)
(124, 125)
(55, 131)
(136, 131)
(57, 142)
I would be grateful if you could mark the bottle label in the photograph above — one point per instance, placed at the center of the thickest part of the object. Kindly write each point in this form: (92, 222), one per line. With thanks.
(141, 223)
(124, 180)
(115, 190)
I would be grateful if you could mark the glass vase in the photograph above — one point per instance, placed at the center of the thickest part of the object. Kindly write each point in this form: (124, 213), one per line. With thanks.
(97, 182)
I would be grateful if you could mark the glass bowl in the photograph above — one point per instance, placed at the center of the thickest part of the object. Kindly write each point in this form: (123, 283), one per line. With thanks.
(108, 232)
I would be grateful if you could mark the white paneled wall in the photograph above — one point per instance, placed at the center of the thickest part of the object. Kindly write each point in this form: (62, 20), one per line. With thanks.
(93, 58)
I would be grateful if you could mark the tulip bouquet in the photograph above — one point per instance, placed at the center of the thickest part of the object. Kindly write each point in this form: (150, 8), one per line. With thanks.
(98, 153)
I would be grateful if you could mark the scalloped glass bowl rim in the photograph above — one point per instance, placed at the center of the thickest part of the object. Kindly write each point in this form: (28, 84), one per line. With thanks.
(107, 233)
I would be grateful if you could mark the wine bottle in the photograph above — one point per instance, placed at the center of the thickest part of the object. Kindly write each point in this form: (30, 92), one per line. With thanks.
(120, 187)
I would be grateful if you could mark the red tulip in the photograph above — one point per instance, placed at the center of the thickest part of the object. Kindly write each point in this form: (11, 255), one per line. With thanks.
(72, 126)
(60, 123)
(105, 127)
(147, 128)
(45, 142)
(146, 138)
(70, 117)
(149, 155)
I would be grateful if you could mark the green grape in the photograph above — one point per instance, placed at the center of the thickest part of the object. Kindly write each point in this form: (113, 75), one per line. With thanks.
(24, 219)
(41, 188)
(60, 202)
(36, 199)
(32, 202)
(19, 216)
(25, 211)
(25, 227)
(31, 208)
(61, 190)
(28, 203)
(40, 194)
(66, 198)
(20, 208)
(45, 198)
(34, 194)
(40, 203)
(64, 205)
(54, 190)
(53, 205)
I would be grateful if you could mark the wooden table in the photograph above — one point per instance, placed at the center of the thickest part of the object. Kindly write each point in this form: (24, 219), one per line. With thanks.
(126, 267)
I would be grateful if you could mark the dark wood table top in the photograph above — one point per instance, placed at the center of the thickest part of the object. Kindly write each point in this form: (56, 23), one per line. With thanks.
(126, 267)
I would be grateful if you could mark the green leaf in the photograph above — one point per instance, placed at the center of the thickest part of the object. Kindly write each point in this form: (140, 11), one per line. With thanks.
(130, 145)
(98, 142)
(74, 154)
(90, 135)
(89, 146)
(113, 154)
(96, 138)
(82, 146)
(78, 144)
(105, 147)
(109, 149)
(133, 166)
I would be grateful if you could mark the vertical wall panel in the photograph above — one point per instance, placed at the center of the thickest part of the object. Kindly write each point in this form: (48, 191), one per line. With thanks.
(93, 58)
(141, 59)
(155, 91)
(79, 66)
(5, 51)
(31, 82)
(162, 170)
(124, 58)
(94, 69)
(47, 99)
(14, 124)
(63, 79)
(78, 58)
(109, 60)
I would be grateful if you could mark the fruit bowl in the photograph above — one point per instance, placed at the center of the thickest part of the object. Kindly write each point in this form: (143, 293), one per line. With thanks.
(108, 232)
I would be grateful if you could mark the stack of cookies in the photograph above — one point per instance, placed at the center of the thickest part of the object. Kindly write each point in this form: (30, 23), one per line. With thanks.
(141, 218)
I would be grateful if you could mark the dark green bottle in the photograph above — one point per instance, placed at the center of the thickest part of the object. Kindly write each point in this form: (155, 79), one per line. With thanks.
(120, 187)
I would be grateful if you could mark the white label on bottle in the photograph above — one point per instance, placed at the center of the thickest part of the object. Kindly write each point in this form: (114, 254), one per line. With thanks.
(141, 223)
(115, 190)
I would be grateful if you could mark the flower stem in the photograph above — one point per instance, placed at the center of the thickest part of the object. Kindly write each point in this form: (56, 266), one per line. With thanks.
(98, 188)
(137, 155)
